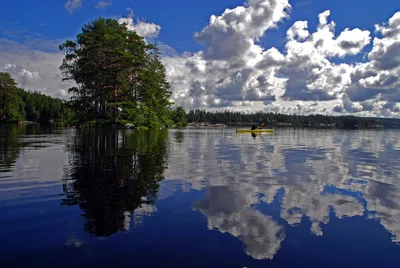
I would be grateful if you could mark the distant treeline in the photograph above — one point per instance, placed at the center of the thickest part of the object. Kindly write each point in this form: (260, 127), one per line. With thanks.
(17, 104)
(37, 107)
(275, 119)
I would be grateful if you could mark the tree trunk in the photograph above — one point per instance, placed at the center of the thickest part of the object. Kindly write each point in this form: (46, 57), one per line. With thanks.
(5, 108)
(96, 106)
(115, 109)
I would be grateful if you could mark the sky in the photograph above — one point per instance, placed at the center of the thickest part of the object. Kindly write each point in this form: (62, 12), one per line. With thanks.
(306, 56)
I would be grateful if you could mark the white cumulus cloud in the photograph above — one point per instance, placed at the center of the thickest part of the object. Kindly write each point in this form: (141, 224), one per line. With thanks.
(378, 78)
(72, 5)
(24, 76)
(234, 71)
(102, 4)
(33, 69)
(142, 28)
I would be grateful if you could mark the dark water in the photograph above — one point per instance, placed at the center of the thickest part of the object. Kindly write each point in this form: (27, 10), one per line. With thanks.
(199, 198)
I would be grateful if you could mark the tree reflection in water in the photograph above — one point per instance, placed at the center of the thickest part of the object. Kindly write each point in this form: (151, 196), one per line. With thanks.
(12, 141)
(9, 146)
(112, 173)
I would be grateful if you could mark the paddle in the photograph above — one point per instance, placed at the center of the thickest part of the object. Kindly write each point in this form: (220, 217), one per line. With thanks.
(262, 124)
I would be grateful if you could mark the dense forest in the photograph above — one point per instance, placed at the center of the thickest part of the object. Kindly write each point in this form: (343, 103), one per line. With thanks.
(17, 105)
(120, 78)
(275, 119)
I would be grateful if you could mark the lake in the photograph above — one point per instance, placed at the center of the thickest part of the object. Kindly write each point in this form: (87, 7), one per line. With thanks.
(199, 198)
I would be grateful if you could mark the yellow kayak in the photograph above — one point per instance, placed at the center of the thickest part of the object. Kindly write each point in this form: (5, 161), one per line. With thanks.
(254, 131)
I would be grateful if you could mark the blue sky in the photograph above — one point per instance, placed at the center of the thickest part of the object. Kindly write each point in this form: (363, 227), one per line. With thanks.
(39, 26)
(179, 19)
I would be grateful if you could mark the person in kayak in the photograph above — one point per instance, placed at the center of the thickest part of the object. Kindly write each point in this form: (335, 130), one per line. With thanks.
(253, 127)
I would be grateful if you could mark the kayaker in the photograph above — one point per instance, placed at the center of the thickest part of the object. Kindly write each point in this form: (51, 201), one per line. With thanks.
(253, 127)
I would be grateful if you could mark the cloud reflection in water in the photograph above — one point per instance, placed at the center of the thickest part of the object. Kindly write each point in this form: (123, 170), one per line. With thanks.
(348, 173)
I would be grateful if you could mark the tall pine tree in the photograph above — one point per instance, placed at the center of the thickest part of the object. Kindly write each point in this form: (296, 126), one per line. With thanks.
(118, 76)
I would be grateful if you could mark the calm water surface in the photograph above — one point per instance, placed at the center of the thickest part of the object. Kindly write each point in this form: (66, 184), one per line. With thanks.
(199, 198)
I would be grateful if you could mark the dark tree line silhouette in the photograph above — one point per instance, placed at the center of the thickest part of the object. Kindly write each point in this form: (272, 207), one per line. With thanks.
(275, 119)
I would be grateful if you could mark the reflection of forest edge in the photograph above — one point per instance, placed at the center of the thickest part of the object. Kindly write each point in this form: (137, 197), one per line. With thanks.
(11, 143)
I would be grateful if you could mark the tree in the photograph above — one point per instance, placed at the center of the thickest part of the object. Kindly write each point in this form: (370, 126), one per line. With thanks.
(8, 98)
(116, 74)
(17, 104)
(178, 116)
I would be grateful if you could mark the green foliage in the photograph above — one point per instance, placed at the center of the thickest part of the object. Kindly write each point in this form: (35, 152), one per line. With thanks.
(17, 104)
(178, 116)
(119, 76)
(8, 98)
(274, 119)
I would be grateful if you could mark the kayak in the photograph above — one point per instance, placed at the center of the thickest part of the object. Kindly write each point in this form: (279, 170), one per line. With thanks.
(254, 130)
